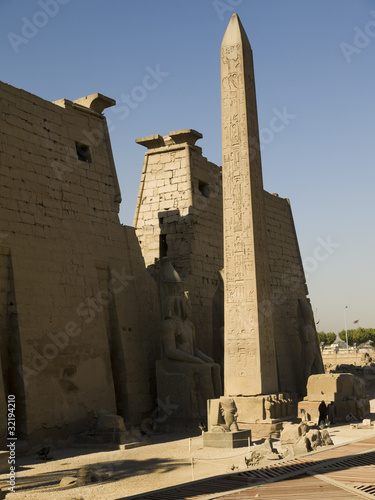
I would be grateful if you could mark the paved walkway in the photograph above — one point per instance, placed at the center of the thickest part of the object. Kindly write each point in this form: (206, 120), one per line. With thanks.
(340, 472)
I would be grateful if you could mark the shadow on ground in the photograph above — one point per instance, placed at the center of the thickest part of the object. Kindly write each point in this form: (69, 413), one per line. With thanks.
(103, 471)
(232, 482)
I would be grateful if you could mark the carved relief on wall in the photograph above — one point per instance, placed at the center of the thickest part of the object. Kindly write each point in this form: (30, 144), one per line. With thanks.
(234, 129)
(230, 291)
(231, 57)
(241, 354)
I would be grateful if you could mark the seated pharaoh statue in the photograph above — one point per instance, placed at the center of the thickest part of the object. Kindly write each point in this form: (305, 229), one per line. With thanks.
(185, 375)
(179, 350)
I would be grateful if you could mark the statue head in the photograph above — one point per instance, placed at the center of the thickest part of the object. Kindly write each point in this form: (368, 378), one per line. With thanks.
(228, 411)
(178, 305)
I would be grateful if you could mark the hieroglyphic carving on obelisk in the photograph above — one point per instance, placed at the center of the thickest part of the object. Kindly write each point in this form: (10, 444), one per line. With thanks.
(250, 359)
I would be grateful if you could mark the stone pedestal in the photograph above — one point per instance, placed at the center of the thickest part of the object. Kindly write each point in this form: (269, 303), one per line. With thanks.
(182, 394)
(269, 408)
(265, 429)
(108, 429)
(264, 416)
(334, 387)
(236, 439)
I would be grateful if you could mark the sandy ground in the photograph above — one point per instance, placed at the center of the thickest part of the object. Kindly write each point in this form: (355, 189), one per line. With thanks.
(121, 473)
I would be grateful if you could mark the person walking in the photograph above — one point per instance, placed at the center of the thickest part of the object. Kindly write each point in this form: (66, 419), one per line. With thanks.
(322, 413)
(331, 413)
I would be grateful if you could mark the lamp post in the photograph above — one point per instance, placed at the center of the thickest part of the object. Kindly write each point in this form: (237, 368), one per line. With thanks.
(346, 330)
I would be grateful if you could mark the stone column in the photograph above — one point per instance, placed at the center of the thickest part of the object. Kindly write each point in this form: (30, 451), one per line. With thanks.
(250, 359)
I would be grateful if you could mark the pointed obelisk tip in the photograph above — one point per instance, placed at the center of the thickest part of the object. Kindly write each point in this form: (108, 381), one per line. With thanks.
(235, 32)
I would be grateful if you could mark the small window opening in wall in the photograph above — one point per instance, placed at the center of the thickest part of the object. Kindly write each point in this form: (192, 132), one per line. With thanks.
(204, 188)
(163, 245)
(83, 152)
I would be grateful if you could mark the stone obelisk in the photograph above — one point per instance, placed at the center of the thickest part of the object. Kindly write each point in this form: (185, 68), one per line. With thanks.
(249, 359)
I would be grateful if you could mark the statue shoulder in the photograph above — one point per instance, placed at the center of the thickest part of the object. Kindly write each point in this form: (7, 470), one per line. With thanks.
(168, 325)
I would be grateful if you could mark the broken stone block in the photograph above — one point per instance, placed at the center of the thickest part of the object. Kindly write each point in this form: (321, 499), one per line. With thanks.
(315, 438)
(107, 428)
(253, 459)
(326, 438)
(303, 438)
(347, 392)
(267, 445)
(262, 451)
(292, 432)
(301, 447)
(67, 481)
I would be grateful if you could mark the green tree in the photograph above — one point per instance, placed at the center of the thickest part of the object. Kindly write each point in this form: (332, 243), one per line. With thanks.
(342, 336)
(360, 336)
(322, 337)
(327, 338)
(330, 338)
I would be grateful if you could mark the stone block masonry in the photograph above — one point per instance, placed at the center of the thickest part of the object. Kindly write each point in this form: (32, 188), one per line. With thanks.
(79, 310)
(288, 284)
(188, 228)
(183, 204)
(179, 214)
(70, 276)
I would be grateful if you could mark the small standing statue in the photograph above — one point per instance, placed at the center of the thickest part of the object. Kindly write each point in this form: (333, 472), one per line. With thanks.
(277, 405)
(269, 408)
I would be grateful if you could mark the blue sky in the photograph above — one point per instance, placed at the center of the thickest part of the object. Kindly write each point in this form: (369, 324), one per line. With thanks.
(314, 63)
